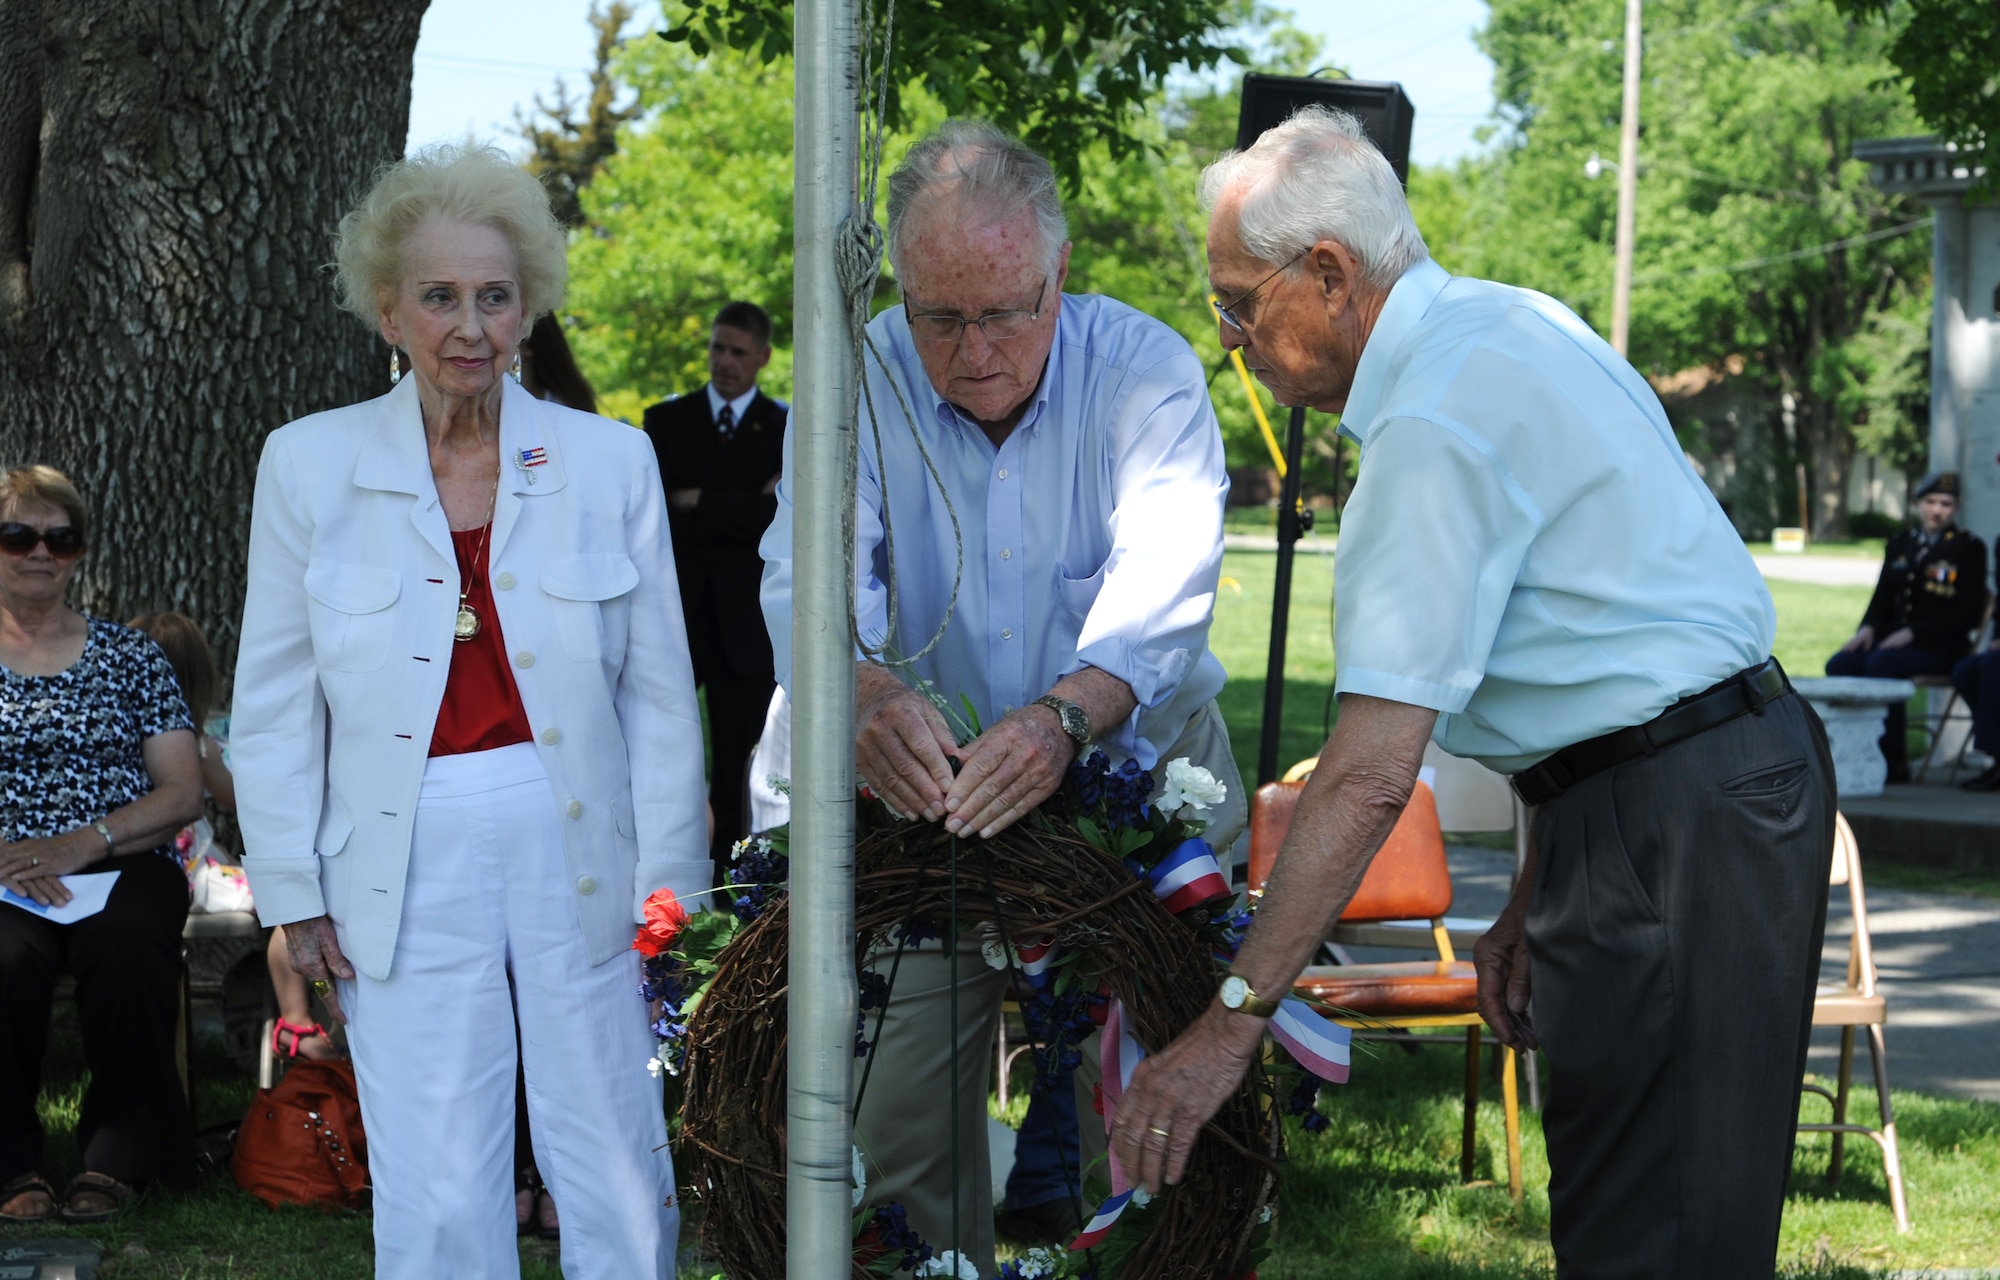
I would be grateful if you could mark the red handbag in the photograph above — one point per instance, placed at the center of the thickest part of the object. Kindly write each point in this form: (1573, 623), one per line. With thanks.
(301, 1141)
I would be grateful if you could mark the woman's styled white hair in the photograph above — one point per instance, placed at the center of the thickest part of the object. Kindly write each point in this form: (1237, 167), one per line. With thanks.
(455, 182)
(1318, 177)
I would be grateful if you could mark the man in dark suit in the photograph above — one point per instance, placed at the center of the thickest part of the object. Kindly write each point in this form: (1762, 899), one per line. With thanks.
(1931, 595)
(721, 450)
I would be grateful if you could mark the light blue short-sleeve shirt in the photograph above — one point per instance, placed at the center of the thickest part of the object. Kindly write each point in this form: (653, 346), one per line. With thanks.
(1092, 535)
(1527, 550)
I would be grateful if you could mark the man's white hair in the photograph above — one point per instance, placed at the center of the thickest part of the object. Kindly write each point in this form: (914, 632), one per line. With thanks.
(1318, 177)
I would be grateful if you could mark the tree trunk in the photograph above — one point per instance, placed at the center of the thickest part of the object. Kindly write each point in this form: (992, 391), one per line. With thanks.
(171, 172)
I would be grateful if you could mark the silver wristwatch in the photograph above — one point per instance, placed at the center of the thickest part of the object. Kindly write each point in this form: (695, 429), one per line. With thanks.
(1075, 720)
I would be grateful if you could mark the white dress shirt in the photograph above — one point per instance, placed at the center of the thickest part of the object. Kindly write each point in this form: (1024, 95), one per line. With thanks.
(1527, 549)
(1093, 535)
(740, 405)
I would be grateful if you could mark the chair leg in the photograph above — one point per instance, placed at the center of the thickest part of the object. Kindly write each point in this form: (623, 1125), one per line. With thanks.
(1471, 1102)
(1892, 1159)
(1510, 1096)
(1840, 1105)
(1534, 1074)
(1934, 729)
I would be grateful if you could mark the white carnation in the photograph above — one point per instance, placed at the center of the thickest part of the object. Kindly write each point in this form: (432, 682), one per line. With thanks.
(1189, 785)
(949, 1263)
(997, 954)
(1141, 1197)
(1038, 1263)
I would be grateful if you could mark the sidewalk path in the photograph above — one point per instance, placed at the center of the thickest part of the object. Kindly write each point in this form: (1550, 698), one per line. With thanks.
(1939, 959)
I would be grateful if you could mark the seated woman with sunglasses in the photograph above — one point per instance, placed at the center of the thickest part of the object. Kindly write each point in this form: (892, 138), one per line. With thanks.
(98, 771)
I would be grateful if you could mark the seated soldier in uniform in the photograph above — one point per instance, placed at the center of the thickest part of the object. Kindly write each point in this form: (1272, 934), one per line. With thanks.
(1929, 598)
(1978, 679)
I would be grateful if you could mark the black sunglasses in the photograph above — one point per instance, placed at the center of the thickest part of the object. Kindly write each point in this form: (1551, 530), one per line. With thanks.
(18, 539)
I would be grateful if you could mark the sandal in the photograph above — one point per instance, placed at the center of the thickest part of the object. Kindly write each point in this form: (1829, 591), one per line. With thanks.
(96, 1186)
(27, 1184)
(540, 1229)
(530, 1180)
(299, 1032)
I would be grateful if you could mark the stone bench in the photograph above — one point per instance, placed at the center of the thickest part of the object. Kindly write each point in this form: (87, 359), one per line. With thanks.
(1854, 709)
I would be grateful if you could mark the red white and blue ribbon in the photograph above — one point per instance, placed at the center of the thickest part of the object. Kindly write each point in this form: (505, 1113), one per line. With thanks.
(1185, 878)
(1100, 1226)
(1037, 955)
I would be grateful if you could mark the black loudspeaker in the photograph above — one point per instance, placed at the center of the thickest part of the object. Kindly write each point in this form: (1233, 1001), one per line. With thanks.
(1382, 107)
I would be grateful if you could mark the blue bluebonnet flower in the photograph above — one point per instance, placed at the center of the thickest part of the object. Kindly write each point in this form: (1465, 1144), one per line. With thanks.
(660, 979)
(759, 874)
(918, 932)
(1085, 780)
(892, 1228)
(1060, 1024)
(874, 995)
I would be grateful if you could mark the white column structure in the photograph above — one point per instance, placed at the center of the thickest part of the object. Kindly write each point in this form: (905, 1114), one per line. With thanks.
(1965, 315)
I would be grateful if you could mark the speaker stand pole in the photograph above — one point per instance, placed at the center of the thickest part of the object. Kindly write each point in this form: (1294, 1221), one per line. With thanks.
(1293, 521)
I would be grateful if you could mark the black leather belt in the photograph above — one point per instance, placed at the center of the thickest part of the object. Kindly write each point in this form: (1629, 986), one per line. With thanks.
(1744, 693)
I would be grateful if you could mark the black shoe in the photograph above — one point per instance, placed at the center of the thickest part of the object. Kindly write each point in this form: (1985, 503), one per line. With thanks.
(1988, 781)
(1052, 1223)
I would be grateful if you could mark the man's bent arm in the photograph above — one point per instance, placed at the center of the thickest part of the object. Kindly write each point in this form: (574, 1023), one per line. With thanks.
(1349, 807)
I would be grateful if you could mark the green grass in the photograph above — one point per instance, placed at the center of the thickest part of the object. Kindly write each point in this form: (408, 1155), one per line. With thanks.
(1858, 548)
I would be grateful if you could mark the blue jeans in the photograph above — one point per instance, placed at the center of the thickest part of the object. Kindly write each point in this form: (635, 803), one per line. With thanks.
(1048, 1149)
(1977, 678)
(1891, 664)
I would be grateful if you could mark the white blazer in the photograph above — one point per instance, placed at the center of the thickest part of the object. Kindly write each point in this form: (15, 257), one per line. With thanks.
(347, 639)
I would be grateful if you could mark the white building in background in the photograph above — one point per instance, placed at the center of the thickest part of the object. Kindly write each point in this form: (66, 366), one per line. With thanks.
(1965, 315)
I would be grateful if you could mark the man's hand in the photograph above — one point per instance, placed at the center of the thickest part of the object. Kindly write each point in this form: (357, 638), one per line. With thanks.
(1864, 640)
(1008, 770)
(315, 954)
(683, 499)
(1898, 638)
(1175, 1092)
(34, 868)
(900, 743)
(1500, 958)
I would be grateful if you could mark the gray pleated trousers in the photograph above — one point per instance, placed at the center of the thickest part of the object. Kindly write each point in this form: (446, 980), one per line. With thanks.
(1675, 930)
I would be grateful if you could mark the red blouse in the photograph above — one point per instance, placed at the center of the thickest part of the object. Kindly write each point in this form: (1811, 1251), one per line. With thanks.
(482, 707)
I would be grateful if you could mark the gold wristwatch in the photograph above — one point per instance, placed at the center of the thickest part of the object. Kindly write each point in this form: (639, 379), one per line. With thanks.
(1236, 994)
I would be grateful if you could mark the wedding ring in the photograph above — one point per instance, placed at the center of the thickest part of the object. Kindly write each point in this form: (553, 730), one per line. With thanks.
(34, 862)
(1156, 1129)
(322, 988)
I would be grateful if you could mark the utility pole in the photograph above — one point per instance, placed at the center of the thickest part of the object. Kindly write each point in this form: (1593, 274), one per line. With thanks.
(1628, 185)
(820, 968)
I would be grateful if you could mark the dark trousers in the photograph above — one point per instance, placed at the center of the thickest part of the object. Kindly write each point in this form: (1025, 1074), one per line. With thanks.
(737, 706)
(1977, 678)
(1674, 931)
(126, 960)
(1899, 663)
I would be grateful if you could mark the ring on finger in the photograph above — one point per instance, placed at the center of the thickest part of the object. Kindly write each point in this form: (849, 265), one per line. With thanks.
(1156, 1130)
(321, 987)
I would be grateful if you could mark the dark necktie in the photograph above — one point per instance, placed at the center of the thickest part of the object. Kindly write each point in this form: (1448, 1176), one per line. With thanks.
(726, 420)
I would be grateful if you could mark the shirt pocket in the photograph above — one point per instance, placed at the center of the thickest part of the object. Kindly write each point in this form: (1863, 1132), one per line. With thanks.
(1079, 594)
(579, 587)
(348, 612)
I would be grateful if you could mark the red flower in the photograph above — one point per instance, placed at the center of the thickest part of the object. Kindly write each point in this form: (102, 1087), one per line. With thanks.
(664, 918)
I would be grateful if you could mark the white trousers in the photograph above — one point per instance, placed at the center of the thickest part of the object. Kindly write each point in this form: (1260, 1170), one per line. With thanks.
(489, 936)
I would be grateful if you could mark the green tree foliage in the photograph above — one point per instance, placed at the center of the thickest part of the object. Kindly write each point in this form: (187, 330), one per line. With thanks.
(571, 138)
(695, 209)
(1065, 77)
(1948, 53)
(1756, 227)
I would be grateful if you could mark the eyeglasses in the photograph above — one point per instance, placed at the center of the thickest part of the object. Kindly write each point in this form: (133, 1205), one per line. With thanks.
(1228, 313)
(18, 539)
(998, 326)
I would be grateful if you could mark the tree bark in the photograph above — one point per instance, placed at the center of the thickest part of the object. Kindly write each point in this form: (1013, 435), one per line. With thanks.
(171, 172)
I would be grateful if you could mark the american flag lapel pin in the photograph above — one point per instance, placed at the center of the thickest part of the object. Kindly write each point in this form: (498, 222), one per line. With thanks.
(528, 459)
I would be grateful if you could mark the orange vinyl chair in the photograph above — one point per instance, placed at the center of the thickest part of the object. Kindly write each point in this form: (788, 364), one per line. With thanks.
(1408, 880)
(1858, 1002)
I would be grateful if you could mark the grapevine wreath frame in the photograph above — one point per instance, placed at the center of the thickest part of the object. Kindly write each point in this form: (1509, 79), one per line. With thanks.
(1045, 878)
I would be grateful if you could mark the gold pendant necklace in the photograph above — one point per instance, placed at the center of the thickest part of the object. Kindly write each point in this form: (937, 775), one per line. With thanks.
(467, 624)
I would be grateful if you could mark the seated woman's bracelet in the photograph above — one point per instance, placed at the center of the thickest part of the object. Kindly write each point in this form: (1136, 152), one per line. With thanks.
(110, 845)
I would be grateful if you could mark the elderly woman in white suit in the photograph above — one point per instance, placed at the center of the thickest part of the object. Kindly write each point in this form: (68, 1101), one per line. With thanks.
(467, 744)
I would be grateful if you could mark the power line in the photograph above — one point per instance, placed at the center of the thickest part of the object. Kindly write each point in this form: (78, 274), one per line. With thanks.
(1818, 250)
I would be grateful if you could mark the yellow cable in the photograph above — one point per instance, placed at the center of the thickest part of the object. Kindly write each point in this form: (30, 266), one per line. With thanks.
(1257, 408)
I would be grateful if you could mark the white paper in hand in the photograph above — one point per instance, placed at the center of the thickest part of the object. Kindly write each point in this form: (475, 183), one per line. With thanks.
(88, 894)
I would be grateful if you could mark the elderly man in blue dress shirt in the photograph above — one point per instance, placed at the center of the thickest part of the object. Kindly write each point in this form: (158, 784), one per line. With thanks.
(1530, 571)
(1077, 451)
